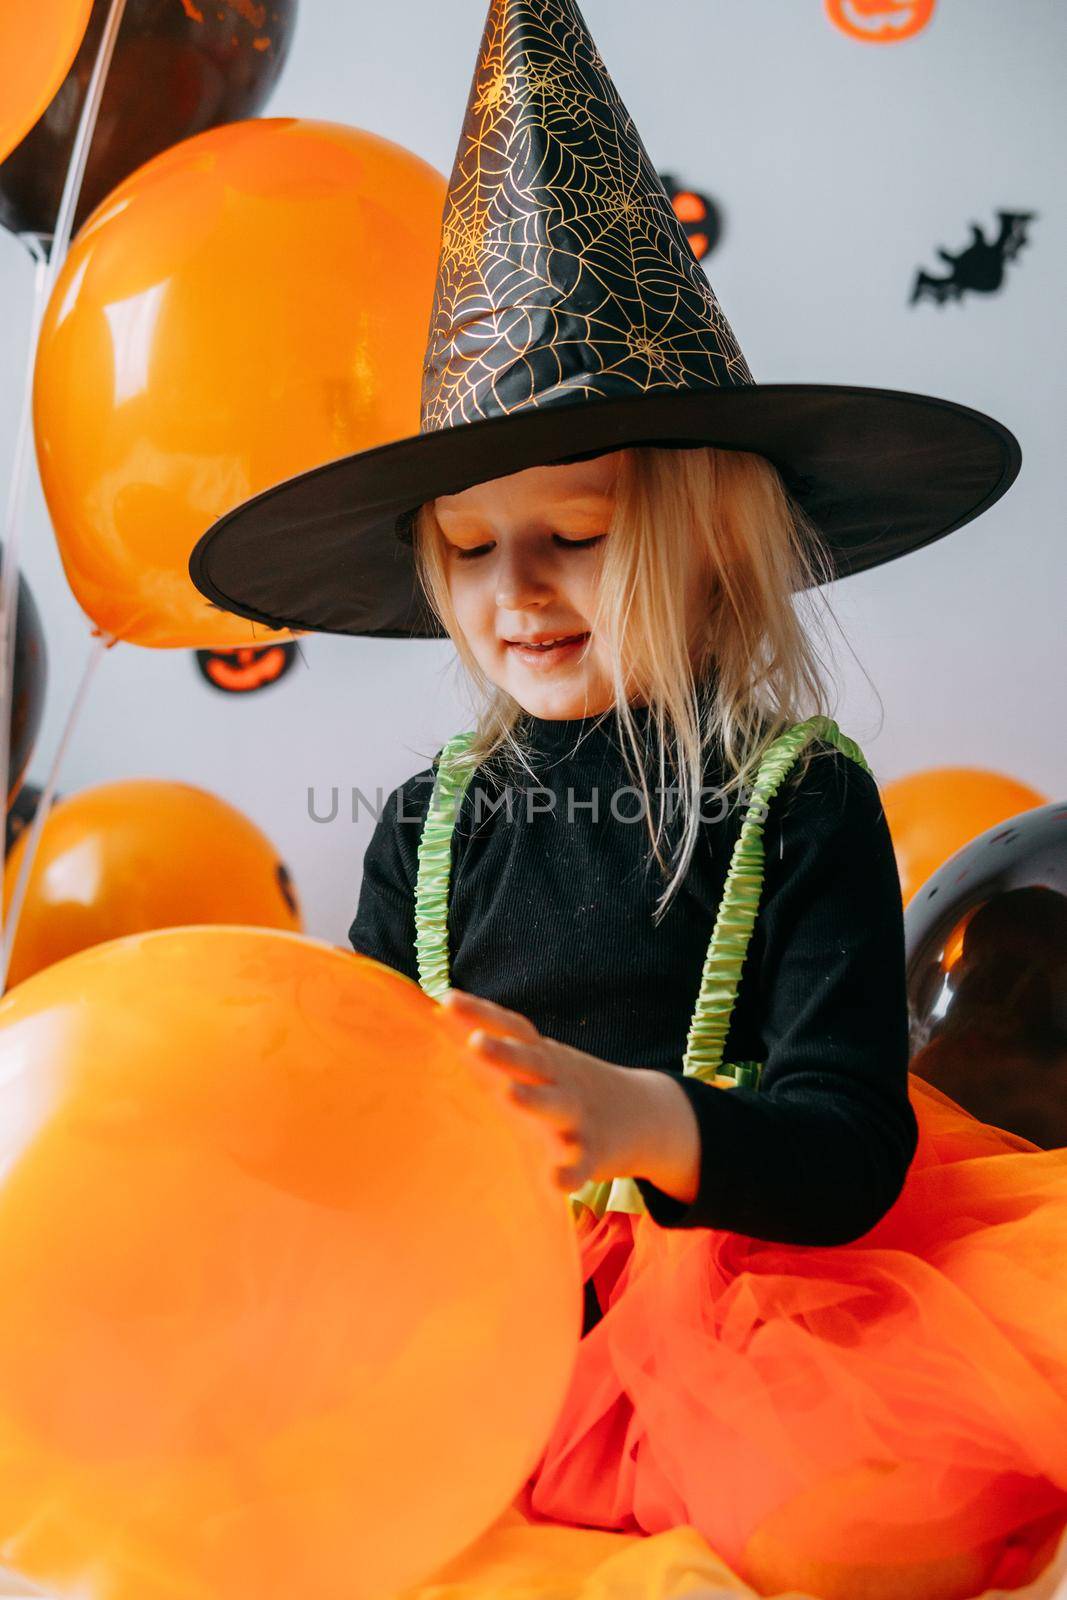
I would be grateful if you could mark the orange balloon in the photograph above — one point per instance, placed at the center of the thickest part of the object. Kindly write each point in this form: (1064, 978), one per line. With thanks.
(251, 303)
(38, 42)
(933, 814)
(290, 1296)
(141, 854)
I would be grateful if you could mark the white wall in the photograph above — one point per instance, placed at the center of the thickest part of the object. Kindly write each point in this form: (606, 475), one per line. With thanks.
(841, 167)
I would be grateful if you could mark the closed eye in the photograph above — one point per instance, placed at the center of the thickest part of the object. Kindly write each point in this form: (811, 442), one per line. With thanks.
(571, 544)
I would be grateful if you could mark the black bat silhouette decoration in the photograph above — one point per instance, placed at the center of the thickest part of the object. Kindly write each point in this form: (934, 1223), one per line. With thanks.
(981, 266)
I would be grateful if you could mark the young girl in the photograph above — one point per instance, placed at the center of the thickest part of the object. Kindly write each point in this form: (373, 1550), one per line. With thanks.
(654, 884)
(818, 1414)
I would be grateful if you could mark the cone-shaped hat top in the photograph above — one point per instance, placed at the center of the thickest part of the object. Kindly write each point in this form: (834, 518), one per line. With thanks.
(564, 274)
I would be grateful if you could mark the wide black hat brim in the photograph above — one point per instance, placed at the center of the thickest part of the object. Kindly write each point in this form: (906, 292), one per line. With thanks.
(880, 473)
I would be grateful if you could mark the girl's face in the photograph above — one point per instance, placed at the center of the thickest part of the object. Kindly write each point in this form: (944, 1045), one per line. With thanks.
(522, 557)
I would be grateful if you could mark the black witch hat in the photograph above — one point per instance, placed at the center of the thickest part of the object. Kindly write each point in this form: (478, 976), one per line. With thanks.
(572, 318)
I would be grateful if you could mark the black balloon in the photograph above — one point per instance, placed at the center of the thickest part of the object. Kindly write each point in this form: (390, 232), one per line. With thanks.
(22, 812)
(987, 976)
(178, 68)
(27, 707)
(31, 677)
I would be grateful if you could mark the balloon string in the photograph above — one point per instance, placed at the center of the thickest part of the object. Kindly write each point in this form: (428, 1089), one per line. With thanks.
(46, 271)
(9, 563)
(101, 642)
(79, 155)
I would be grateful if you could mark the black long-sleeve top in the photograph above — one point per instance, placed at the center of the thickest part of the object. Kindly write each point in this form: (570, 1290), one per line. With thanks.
(550, 914)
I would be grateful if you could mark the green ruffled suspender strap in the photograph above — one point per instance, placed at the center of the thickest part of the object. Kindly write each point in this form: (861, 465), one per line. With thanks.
(730, 936)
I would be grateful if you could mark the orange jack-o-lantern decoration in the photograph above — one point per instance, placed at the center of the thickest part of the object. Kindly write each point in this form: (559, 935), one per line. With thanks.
(880, 21)
(246, 670)
(697, 213)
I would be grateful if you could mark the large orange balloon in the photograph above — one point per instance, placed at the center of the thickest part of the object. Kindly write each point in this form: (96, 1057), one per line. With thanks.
(140, 854)
(291, 1298)
(933, 814)
(38, 41)
(251, 303)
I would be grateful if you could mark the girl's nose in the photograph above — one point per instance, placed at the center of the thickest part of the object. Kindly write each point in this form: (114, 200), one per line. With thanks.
(520, 581)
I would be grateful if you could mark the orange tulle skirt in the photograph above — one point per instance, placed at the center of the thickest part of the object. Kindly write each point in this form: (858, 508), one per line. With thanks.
(885, 1419)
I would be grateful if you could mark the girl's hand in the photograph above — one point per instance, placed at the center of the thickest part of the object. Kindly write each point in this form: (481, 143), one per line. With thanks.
(596, 1110)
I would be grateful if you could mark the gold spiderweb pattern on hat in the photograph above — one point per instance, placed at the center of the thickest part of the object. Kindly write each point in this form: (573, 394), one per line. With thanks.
(564, 273)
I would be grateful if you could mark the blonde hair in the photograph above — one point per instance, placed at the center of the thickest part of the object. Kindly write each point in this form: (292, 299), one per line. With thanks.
(722, 518)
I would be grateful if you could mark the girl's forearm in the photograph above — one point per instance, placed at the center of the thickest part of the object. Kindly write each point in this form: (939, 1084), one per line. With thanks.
(669, 1149)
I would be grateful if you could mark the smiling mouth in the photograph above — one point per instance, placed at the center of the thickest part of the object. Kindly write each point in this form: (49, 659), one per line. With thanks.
(574, 641)
(870, 22)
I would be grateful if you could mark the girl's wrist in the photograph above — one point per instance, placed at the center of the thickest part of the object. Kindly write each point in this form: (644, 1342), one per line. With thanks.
(669, 1150)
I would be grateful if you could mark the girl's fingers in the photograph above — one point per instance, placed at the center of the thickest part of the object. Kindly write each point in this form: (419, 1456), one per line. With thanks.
(530, 1085)
(555, 1116)
(460, 1003)
(514, 1055)
(547, 1104)
(461, 1015)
